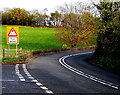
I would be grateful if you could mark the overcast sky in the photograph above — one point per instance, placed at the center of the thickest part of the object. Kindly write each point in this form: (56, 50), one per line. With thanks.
(36, 4)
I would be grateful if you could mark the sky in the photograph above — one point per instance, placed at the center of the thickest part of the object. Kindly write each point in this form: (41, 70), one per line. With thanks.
(36, 4)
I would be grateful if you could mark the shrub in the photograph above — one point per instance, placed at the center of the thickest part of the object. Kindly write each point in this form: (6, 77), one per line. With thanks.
(107, 53)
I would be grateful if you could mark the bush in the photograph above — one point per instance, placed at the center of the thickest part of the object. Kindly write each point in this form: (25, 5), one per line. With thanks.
(107, 53)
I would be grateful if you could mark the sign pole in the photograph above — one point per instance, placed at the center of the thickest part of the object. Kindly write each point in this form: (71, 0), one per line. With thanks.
(16, 50)
(8, 50)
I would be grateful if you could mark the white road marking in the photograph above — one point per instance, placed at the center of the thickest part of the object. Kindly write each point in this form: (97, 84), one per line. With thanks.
(63, 63)
(43, 87)
(22, 79)
(18, 73)
(31, 77)
(28, 75)
(35, 81)
(49, 92)
(39, 84)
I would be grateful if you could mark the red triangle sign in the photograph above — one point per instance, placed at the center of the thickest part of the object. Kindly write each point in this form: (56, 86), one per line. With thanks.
(12, 32)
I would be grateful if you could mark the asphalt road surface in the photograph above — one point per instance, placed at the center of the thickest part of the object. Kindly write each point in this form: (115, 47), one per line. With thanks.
(59, 73)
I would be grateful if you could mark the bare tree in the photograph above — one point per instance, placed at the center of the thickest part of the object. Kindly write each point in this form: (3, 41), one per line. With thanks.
(75, 30)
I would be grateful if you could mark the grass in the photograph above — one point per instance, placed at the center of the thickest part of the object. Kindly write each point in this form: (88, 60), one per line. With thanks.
(34, 38)
(12, 59)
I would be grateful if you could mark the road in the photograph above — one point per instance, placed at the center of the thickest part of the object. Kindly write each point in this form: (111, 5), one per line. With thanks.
(59, 73)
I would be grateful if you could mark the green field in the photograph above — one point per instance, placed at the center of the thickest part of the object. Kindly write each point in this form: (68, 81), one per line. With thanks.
(34, 38)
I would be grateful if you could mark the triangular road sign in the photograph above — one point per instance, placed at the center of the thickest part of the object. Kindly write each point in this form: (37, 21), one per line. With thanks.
(12, 32)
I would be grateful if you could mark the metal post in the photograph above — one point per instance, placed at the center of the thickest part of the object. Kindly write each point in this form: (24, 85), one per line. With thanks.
(16, 51)
(8, 50)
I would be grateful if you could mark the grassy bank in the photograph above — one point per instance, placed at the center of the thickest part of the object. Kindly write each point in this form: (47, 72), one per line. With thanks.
(34, 38)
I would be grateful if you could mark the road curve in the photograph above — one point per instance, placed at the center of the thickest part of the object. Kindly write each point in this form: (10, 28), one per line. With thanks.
(72, 73)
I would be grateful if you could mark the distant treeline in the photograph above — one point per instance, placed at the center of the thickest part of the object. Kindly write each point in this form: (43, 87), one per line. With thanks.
(19, 16)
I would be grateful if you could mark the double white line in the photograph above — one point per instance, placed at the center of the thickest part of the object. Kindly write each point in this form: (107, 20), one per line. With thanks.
(18, 73)
(30, 77)
(81, 73)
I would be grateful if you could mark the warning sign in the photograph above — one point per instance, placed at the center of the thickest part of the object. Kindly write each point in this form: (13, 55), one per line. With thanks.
(12, 35)
(12, 32)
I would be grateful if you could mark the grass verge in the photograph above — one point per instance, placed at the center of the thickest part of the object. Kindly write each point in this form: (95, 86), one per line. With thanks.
(13, 60)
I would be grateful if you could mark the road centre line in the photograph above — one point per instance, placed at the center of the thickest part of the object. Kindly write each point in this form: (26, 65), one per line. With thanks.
(49, 92)
(18, 73)
(43, 87)
(35, 81)
(81, 73)
(39, 84)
